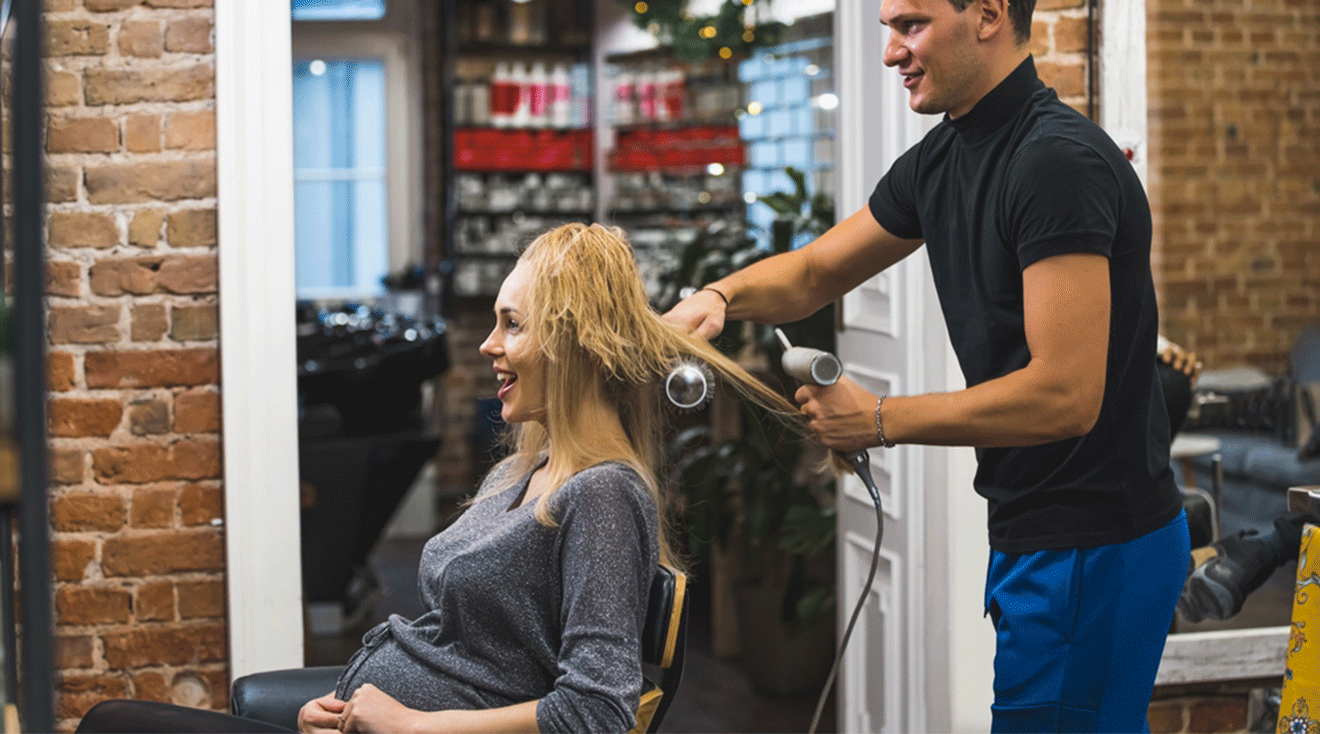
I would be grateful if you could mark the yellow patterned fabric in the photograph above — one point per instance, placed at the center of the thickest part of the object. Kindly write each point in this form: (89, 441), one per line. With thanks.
(1301, 678)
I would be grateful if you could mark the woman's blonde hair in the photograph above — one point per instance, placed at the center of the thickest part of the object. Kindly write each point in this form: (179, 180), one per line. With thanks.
(588, 310)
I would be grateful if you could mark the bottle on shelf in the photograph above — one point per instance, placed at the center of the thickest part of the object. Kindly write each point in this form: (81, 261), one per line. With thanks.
(520, 22)
(479, 102)
(674, 94)
(561, 103)
(538, 96)
(646, 95)
(522, 108)
(503, 96)
(623, 98)
(581, 96)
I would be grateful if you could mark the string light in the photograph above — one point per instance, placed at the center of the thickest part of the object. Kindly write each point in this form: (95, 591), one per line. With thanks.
(641, 7)
(748, 36)
(726, 52)
(708, 32)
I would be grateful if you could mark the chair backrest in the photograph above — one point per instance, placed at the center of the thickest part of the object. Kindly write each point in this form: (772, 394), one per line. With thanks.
(664, 642)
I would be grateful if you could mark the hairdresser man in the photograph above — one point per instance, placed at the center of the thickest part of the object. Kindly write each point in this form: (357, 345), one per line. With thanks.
(1039, 239)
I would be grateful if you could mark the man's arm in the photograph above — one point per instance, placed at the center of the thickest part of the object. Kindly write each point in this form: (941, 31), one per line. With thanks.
(795, 284)
(1057, 395)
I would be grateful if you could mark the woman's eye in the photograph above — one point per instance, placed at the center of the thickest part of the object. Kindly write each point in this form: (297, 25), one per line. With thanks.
(511, 325)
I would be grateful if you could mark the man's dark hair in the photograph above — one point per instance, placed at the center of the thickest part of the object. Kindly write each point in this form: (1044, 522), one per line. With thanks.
(1019, 13)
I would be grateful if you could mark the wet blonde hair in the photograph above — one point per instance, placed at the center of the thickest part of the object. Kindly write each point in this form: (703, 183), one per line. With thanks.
(588, 310)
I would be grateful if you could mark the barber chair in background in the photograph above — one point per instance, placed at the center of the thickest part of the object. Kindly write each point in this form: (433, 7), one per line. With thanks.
(269, 702)
(361, 439)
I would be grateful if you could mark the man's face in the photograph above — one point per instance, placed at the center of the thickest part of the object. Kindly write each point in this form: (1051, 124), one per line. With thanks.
(934, 47)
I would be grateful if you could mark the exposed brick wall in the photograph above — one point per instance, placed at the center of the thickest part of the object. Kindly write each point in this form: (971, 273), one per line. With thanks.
(134, 408)
(1234, 151)
(1058, 43)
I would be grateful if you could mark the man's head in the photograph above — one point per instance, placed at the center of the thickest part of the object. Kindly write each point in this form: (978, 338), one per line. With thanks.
(951, 53)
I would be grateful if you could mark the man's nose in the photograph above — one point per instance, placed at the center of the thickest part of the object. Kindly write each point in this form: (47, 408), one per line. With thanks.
(894, 51)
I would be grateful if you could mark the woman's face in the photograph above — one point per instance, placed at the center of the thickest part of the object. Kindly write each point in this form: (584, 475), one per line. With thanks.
(519, 365)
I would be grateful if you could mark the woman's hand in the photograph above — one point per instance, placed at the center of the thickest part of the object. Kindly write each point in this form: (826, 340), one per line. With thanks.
(1182, 360)
(370, 709)
(320, 715)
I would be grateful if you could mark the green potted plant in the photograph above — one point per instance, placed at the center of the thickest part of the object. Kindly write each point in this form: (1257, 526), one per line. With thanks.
(756, 495)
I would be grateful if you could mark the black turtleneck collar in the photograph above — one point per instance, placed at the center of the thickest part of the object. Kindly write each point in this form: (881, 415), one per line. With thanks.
(1000, 105)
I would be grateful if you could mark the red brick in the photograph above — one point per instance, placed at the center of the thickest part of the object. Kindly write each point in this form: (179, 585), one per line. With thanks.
(144, 231)
(60, 371)
(81, 511)
(150, 322)
(141, 38)
(80, 417)
(199, 504)
(73, 651)
(70, 557)
(194, 323)
(102, 6)
(142, 133)
(180, 3)
(61, 184)
(189, 35)
(76, 605)
(197, 411)
(200, 599)
(1068, 80)
(178, 274)
(164, 645)
(63, 88)
(1070, 35)
(131, 183)
(149, 84)
(78, 692)
(191, 131)
(67, 466)
(84, 325)
(163, 368)
(152, 508)
(82, 229)
(148, 417)
(154, 602)
(1059, 4)
(77, 38)
(82, 135)
(150, 685)
(63, 278)
(164, 552)
(192, 228)
(152, 462)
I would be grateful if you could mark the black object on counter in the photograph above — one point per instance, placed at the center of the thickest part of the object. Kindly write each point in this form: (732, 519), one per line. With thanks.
(361, 433)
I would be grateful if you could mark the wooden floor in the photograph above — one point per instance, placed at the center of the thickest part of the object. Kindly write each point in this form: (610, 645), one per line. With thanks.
(715, 696)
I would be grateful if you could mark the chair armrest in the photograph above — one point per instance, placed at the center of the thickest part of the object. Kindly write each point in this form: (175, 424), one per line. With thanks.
(276, 696)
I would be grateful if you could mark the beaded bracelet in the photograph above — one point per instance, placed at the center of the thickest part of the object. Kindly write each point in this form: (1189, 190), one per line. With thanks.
(879, 426)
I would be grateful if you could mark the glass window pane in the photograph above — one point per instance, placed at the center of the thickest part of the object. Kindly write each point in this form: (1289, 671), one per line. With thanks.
(338, 9)
(341, 225)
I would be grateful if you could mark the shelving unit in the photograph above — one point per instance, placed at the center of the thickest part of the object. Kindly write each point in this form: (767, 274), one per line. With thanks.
(502, 183)
(676, 162)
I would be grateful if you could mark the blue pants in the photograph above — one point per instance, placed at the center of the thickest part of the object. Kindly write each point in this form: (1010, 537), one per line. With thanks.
(1080, 632)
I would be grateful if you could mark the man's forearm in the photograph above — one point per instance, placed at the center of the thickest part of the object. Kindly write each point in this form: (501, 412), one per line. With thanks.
(1018, 409)
(773, 291)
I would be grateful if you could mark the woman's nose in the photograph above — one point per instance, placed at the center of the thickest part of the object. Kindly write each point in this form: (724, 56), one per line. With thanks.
(488, 347)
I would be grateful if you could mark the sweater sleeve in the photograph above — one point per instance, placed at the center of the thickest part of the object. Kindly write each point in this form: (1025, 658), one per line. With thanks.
(608, 553)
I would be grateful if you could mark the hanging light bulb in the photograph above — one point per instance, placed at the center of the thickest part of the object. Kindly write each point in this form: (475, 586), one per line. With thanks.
(726, 52)
(641, 7)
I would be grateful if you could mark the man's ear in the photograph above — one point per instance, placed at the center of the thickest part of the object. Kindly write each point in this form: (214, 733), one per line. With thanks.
(992, 19)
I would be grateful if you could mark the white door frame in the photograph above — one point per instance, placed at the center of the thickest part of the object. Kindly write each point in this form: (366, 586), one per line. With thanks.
(258, 384)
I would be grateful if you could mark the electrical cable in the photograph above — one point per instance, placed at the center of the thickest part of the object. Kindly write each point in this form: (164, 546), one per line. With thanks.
(861, 465)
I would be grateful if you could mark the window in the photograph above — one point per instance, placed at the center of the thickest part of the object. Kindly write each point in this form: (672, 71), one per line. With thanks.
(340, 201)
(338, 9)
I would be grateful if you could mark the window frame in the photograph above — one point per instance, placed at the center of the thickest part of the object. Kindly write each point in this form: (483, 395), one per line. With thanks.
(394, 39)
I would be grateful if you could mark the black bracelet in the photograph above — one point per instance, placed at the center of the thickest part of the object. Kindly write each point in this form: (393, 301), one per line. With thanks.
(716, 292)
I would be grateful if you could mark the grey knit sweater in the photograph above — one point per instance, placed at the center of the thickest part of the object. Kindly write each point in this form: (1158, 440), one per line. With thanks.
(520, 611)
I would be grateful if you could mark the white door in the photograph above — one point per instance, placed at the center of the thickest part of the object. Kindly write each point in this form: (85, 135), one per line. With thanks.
(919, 658)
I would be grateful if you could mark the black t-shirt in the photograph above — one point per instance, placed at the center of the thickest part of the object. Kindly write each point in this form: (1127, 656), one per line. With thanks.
(1019, 178)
